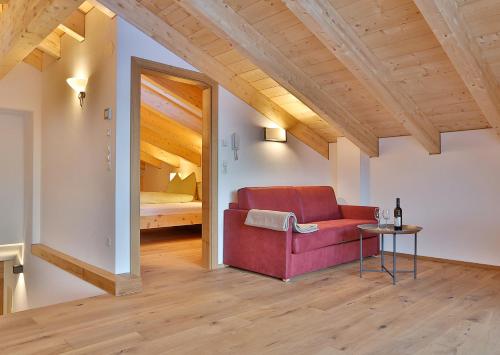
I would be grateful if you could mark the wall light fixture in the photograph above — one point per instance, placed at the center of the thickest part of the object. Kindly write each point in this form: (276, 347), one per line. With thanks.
(275, 134)
(79, 85)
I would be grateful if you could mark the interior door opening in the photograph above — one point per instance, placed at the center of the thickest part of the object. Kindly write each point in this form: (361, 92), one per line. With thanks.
(174, 180)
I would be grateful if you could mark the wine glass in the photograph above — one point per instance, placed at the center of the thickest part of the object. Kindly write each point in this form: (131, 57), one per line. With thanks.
(386, 214)
(376, 213)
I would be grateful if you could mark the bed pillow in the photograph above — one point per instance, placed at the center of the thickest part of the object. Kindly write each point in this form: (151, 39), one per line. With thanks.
(164, 197)
(185, 186)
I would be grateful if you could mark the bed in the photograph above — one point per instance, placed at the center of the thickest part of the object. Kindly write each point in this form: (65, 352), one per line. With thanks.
(170, 214)
(176, 207)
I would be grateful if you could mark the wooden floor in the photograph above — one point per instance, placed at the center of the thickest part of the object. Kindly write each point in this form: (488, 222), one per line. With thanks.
(184, 309)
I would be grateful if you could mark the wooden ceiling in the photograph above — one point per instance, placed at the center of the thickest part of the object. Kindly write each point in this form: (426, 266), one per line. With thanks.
(171, 120)
(363, 69)
(36, 40)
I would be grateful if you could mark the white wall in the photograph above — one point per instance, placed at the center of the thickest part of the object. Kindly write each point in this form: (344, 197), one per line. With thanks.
(453, 195)
(12, 127)
(261, 163)
(77, 186)
(20, 92)
(352, 174)
(78, 189)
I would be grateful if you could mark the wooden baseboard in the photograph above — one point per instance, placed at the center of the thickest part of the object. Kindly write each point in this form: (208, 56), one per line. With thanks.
(447, 261)
(118, 285)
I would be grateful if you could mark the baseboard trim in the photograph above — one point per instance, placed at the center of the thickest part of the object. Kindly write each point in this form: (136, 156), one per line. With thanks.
(118, 285)
(447, 261)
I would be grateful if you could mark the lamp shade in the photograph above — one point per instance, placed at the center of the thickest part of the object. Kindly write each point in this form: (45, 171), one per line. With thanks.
(275, 134)
(77, 84)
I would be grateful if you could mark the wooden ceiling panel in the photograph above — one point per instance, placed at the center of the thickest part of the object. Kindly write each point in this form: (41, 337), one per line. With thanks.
(369, 16)
(296, 42)
(397, 34)
(258, 10)
(394, 31)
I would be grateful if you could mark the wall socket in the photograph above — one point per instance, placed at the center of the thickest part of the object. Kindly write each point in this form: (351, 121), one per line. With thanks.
(108, 242)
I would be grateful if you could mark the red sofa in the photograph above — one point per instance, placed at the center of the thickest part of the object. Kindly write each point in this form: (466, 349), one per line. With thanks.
(287, 254)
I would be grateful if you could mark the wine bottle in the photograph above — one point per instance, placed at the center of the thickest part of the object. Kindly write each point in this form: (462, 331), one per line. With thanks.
(398, 216)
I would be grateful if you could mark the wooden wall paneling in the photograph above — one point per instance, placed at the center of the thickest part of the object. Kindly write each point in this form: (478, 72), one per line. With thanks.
(39, 19)
(153, 25)
(450, 28)
(345, 44)
(231, 26)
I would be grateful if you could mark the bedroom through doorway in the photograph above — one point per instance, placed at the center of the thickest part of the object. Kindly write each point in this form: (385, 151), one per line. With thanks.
(173, 113)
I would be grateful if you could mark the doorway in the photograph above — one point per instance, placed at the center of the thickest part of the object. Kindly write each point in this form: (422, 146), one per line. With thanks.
(169, 142)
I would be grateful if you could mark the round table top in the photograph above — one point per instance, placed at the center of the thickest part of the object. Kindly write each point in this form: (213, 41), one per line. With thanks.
(389, 229)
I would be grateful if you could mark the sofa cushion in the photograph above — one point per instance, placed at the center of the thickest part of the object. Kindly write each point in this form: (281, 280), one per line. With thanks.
(330, 232)
(318, 203)
(280, 198)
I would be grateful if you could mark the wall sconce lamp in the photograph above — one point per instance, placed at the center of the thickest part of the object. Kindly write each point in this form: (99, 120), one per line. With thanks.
(18, 269)
(275, 135)
(78, 85)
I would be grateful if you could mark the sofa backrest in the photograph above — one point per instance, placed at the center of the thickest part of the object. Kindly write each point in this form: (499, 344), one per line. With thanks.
(309, 203)
(318, 203)
(279, 198)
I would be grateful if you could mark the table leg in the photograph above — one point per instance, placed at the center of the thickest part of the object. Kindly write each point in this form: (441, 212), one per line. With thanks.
(382, 256)
(415, 258)
(394, 259)
(361, 254)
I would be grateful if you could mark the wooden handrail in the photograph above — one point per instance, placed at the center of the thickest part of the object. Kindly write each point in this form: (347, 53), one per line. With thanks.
(115, 284)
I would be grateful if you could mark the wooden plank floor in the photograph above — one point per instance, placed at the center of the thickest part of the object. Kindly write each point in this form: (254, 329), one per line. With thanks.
(450, 309)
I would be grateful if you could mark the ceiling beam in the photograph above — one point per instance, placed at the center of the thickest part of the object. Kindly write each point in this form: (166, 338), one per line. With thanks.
(99, 6)
(165, 143)
(161, 103)
(25, 24)
(450, 28)
(51, 45)
(186, 95)
(170, 136)
(324, 21)
(151, 160)
(74, 26)
(152, 25)
(168, 127)
(228, 24)
(35, 59)
(160, 154)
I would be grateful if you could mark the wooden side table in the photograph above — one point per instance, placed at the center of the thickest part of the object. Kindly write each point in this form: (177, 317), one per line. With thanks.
(388, 229)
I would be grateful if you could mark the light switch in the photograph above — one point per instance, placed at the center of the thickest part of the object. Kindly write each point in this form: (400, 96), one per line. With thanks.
(108, 114)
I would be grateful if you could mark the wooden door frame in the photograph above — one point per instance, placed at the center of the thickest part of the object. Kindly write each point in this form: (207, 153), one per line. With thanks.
(209, 158)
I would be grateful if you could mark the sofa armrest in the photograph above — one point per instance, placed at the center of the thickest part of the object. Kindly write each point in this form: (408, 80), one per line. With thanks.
(256, 249)
(357, 212)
